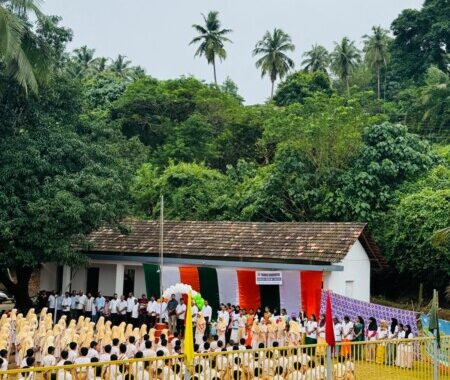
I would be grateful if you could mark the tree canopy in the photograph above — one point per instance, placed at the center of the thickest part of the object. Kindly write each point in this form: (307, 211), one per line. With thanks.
(352, 136)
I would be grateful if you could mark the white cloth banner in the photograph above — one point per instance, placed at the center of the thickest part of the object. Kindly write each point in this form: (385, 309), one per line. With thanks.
(290, 292)
(228, 286)
(170, 276)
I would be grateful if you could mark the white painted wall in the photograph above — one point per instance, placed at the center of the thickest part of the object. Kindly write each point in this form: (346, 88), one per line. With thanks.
(139, 280)
(355, 277)
(79, 279)
(48, 276)
(107, 278)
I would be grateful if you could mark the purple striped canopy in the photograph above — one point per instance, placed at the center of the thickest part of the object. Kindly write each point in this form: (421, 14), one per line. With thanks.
(342, 306)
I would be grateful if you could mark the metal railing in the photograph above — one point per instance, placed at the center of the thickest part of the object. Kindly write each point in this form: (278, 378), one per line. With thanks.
(412, 359)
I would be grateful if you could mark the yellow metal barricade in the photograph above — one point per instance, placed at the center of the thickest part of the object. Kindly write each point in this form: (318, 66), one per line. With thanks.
(407, 359)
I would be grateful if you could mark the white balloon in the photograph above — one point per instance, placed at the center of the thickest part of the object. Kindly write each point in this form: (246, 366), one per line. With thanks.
(179, 288)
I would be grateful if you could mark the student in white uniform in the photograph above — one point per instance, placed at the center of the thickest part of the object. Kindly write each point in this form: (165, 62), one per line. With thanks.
(73, 353)
(105, 356)
(82, 359)
(65, 373)
(49, 360)
(93, 350)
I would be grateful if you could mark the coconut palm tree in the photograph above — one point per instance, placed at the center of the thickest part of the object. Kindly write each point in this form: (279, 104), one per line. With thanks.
(84, 56)
(211, 39)
(344, 59)
(376, 49)
(274, 61)
(15, 43)
(434, 97)
(100, 64)
(120, 65)
(316, 59)
(136, 72)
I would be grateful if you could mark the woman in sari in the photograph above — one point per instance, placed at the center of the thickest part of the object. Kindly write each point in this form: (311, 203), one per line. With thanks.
(262, 337)
(255, 333)
(294, 333)
(221, 329)
(281, 332)
(271, 332)
(321, 348)
(358, 330)
(382, 335)
(391, 347)
(200, 329)
(371, 337)
(248, 327)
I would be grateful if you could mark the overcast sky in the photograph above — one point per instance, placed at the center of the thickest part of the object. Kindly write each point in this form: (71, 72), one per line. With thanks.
(156, 34)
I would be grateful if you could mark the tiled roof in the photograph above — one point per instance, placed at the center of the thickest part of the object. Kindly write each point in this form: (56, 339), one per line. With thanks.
(266, 242)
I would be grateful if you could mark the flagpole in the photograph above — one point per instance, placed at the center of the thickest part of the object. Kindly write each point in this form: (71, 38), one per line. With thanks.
(329, 334)
(329, 363)
(161, 253)
(436, 338)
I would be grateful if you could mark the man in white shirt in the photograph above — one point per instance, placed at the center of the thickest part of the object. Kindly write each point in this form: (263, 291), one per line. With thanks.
(347, 329)
(113, 305)
(181, 314)
(73, 306)
(337, 336)
(59, 299)
(51, 303)
(99, 306)
(81, 303)
(88, 306)
(130, 304)
(207, 314)
(66, 302)
(135, 313)
(161, 311)
(122, 309)
(151, 312)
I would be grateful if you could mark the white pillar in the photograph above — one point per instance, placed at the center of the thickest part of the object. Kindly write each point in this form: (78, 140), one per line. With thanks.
(66, 278)
(120, 276)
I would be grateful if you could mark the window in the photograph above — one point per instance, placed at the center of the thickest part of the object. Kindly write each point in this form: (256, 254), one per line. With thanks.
(349, 288)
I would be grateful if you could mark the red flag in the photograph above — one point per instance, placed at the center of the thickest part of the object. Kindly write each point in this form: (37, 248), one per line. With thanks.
(329, 327)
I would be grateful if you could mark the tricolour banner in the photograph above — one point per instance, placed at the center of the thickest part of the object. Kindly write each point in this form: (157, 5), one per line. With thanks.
(290, 290)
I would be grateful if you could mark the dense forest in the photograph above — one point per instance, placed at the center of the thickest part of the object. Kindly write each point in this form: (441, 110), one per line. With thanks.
(345, 135)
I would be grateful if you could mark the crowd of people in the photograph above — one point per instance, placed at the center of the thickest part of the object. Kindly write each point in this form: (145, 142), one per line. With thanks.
(89, 331)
